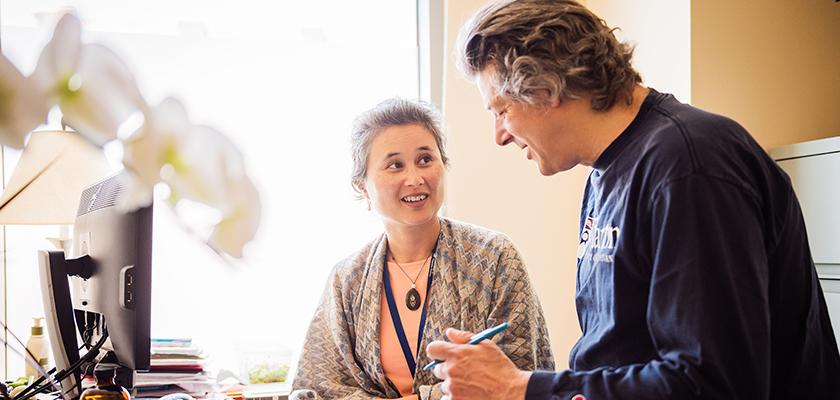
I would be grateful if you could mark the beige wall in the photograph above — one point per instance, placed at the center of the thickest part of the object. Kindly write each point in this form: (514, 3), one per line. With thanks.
(499, 188)
(773, 66)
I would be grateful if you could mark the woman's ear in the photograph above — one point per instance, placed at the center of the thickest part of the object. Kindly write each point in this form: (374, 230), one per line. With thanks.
(361, 187)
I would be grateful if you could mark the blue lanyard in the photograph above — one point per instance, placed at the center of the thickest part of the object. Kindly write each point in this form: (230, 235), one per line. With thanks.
(395, 313)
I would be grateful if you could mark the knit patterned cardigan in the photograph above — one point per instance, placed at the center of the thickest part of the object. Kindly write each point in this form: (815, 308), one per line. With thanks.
(479, 281)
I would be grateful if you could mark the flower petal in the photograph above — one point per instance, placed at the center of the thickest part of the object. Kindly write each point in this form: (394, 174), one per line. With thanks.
(22, 106)
(100, 96)
(210, 169)
(93, 87)
(60, 57)
(240, 226)
(204, 165)
(145, 152)
(136, 194)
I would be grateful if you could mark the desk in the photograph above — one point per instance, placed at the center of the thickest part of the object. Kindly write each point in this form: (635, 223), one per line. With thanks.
(268, 391)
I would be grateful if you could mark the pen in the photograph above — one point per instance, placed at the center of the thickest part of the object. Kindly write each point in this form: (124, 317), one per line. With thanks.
(475, 339)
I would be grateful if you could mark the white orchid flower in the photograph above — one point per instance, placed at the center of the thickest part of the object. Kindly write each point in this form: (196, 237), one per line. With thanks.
(213, 172)
(240, 224)
(198, 164)
(206, 164)
(150, 148)
(93, 87)
(22, 106)
(97, 94)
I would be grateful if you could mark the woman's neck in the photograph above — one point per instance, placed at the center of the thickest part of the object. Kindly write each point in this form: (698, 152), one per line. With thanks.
(412, 243)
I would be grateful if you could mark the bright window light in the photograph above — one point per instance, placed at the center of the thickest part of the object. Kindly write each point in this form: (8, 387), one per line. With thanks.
(284, 81)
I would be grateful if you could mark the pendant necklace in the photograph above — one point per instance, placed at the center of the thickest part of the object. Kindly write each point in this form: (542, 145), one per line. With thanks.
(412, 298)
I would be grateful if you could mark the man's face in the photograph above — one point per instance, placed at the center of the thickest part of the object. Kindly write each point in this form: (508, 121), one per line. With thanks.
(546, 133)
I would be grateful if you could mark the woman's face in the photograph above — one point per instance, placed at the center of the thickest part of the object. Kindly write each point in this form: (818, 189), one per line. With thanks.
(404, 181)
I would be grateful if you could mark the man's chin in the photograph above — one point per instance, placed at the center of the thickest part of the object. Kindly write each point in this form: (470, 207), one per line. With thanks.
(548, 170)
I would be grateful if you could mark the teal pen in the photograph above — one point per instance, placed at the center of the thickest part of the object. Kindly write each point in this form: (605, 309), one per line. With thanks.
(475, 339)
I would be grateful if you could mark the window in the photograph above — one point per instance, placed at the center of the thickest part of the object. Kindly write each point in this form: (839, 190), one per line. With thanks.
(284, 81)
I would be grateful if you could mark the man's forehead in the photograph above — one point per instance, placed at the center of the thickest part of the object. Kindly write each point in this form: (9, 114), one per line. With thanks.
(488, 91)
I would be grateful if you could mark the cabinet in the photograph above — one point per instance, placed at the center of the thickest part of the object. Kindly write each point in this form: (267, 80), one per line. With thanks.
(814, 169)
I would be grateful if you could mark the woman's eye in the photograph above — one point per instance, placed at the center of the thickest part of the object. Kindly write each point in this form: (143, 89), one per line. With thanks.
(425, 160)
(395, 165)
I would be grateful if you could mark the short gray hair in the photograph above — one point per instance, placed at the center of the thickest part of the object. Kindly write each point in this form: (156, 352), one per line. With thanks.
(545, 50)
(390, 113)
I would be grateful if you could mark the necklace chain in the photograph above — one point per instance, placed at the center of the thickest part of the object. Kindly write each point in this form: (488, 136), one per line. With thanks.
(413, 281)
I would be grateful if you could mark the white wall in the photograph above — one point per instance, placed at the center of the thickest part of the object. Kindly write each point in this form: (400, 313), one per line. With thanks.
(661, 31)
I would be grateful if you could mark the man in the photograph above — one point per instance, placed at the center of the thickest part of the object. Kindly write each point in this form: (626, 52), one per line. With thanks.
(694, 278)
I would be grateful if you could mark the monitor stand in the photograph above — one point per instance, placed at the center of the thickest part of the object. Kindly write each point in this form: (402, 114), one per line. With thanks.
(54, 269)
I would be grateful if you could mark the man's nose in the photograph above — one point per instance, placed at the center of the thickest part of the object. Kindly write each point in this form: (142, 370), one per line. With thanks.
(503, 137)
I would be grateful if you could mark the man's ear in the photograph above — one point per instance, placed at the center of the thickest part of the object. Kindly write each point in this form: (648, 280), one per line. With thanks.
(555, 102)
(361, 186)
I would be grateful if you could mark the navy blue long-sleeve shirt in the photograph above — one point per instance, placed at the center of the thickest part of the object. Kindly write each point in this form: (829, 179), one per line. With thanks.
(695, 279)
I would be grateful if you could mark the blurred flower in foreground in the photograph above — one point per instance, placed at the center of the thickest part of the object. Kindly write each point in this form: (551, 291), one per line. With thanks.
(198, 163)
(93, 88)
(211, 170)
(150, 148)
(22, 108)
(97, 94)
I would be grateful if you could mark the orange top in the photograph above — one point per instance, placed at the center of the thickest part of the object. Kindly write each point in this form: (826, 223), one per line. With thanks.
(393, 360)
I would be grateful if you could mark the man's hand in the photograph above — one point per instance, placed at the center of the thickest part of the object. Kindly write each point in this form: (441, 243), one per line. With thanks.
(480, 372)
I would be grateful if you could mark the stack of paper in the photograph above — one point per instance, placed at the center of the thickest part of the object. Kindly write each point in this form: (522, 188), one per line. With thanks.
(177, 366)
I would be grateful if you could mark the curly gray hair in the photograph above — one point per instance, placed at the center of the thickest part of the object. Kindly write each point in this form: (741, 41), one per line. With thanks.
(389, 113)
(546, 50)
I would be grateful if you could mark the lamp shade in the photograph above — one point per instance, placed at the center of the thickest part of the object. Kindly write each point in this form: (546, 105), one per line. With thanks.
(45, 187)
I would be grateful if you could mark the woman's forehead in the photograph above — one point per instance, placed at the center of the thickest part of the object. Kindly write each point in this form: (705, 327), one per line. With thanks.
(403, 138)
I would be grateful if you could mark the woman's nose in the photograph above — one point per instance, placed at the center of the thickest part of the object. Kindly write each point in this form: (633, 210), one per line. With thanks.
(414, 178)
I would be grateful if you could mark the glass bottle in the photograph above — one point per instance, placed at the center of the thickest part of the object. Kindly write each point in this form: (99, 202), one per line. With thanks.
(4, 392)
(106, 388)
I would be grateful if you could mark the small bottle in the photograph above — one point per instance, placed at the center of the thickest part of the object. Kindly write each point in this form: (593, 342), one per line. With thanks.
(37, 346)
(106, 388)
(4, 392)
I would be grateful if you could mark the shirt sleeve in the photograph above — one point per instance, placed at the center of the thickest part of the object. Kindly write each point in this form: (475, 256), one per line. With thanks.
(708, 309)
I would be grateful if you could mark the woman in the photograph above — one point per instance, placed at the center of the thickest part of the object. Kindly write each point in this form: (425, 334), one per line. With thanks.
(384, 303)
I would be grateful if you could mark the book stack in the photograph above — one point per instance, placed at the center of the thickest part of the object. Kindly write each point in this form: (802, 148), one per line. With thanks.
(177, 366)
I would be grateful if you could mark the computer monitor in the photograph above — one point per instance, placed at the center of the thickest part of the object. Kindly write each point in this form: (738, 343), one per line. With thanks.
(109, 285)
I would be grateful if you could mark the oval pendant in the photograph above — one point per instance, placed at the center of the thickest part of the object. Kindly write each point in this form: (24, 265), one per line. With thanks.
(412, 299)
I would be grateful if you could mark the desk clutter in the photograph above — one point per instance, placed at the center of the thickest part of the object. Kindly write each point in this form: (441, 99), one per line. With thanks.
(177, 366)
